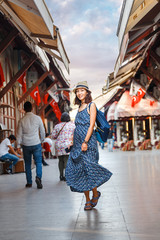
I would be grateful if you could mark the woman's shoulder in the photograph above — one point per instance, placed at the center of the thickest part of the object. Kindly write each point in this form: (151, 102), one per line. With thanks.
(91, 104)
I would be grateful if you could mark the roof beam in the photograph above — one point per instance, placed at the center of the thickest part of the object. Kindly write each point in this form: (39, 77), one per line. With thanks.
(56, 81)
(44, 106)
(44, 75)
(155, 57)
(150, 75)
(6, 42)
(47, 113)
(24, 68)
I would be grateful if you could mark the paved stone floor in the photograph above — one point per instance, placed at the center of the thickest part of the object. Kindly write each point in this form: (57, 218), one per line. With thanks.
(129, 207)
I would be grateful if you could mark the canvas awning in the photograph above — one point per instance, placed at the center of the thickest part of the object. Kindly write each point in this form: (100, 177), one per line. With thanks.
(33, 18)
(124, 108)
(111, 111)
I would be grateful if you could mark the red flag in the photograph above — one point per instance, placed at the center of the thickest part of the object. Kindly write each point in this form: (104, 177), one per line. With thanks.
(151, 103)
(2, 80)
(36, 96)
(141, 93)
(56, 109)
(135, 100)
(22, 81)
(45, 98)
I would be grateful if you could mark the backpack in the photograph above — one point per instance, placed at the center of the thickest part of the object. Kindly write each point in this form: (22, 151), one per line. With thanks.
(102, 128)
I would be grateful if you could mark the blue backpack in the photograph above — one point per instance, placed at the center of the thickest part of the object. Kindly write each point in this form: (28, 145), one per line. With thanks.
(103, 127)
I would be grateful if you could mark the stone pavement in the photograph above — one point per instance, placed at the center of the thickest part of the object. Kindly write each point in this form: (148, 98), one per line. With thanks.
(129, 208)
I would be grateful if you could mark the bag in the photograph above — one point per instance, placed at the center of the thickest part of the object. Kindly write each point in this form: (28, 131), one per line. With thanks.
(103, 126)
(60, 131)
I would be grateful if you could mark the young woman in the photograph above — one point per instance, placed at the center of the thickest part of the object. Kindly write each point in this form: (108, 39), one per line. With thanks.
(83, 173)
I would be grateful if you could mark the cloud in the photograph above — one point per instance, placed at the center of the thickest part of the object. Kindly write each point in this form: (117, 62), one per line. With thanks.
(88, 30)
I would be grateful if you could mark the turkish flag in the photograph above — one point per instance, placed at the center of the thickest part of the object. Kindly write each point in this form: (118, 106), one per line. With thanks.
(2, 80)
(36, 96)
(135, 100)
(56, 109)
(22, 81)
(141, 93)
(45, 98)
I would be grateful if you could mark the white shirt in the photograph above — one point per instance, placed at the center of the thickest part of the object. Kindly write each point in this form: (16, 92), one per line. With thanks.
(4, 146)
(30, 130)
(49, 141)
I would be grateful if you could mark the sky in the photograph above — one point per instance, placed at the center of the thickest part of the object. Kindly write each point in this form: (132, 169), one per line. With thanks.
(88, 30)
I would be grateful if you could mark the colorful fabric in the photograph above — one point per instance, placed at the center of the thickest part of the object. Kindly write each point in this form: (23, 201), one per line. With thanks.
(83, 173)
(65, 137)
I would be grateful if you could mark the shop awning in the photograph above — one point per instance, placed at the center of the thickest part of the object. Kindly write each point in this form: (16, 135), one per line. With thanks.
(111, 111)
(33, 18)
(102, 100)
(123, 108)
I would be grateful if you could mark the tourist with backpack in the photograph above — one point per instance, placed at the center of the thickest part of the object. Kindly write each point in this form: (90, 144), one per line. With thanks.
(83, 173)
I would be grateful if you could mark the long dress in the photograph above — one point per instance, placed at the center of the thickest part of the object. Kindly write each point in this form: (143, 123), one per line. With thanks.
(83, 173)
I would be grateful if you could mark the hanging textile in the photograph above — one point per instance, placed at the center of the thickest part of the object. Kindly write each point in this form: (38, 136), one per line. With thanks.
(36, 96)
(22, 81)
(2, 79)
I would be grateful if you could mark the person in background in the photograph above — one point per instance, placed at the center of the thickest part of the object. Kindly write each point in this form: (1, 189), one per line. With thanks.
(83, 173)
(46, 148)
(5, 146)
(30, 134)
(110, 139)
(63, 133)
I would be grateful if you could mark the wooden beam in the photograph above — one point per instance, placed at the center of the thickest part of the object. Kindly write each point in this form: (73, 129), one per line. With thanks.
(41, 36)
(52, 84)
(47, 113)
(44, 75)
(44, 106)
(150, 75)
(6, 42)
(40, 44)
(30, 61)
(155, 57)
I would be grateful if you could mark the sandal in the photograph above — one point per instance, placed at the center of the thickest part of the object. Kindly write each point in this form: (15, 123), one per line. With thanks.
(95, 198)
(88, 206)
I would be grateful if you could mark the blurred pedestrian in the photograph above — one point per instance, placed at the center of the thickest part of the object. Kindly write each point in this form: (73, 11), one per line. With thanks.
(110, 139)
(46, 148)
(13, 156)
(30, 134)
(63, 133)
(83, 173)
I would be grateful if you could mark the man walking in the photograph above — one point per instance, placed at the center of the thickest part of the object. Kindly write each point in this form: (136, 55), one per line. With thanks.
(30, 134)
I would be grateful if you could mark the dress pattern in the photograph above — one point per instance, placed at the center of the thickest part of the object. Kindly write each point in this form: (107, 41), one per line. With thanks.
(83, 173)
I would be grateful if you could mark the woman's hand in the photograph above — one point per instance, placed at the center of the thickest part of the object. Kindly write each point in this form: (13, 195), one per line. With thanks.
(84, 147)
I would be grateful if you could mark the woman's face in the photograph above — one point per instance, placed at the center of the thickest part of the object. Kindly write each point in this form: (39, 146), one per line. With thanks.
(81, 93)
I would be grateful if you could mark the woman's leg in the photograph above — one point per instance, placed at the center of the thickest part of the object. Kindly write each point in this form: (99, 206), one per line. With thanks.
(87, 196)
(96, 196)
(88, 205)
(61, 166)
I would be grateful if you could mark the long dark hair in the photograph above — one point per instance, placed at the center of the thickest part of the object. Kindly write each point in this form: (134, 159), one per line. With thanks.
(88, 99)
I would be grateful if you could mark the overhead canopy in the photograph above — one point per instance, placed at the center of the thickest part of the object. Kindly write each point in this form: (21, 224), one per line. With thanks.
(124, 108)
(33, 17)
(136, 28)
(102, 100)
(111, 111)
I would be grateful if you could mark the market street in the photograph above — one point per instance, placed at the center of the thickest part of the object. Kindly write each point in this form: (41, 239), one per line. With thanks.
(127, 209)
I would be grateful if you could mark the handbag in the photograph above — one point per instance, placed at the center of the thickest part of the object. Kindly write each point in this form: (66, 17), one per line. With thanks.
(102, 128)
(60, 131)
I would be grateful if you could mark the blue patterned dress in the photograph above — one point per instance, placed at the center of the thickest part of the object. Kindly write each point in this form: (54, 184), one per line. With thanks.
(83, 173)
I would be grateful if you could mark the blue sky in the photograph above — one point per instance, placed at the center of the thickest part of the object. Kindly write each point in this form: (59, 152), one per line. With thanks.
(88, 30)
